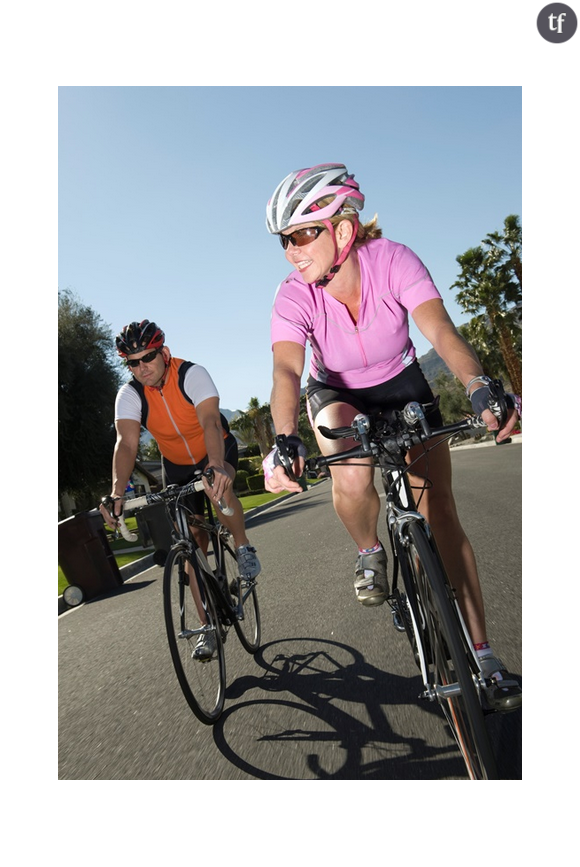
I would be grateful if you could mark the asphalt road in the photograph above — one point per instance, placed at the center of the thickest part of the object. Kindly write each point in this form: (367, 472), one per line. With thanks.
(332, 693)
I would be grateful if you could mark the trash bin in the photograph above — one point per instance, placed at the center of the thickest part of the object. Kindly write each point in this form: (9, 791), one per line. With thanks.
(155, 529)
(85, 556)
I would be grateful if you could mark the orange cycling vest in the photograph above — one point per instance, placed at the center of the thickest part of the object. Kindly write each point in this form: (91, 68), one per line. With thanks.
(170, 417)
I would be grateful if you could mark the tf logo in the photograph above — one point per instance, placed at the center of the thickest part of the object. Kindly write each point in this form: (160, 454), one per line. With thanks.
(557, 22)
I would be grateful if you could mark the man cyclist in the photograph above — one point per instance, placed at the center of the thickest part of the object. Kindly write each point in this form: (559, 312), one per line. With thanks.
(349, 296)
(178, 403)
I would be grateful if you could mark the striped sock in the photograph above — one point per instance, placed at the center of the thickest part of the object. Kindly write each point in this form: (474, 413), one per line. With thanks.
(484, 649)
(373, 550)
(481, 648)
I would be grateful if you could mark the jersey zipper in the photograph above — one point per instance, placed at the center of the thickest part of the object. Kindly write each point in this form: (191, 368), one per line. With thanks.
(361, 347)
(175, 426)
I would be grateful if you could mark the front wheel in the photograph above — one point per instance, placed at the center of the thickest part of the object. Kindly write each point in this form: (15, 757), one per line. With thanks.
(190, 613)
(451, 677)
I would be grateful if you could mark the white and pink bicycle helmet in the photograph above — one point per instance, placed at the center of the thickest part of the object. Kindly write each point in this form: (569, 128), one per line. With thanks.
(296, 199)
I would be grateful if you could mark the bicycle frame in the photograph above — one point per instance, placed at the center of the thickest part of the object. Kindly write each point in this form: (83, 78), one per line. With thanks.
(182, 521)
(186, 522)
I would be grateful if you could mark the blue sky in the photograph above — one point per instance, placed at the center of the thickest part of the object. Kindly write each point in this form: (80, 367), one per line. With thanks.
(162, 194)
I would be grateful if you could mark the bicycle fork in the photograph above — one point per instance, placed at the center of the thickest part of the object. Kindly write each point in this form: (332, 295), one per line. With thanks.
(413, 619)
(407, 613)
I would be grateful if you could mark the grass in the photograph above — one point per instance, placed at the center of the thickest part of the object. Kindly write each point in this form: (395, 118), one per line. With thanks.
(251, 501)
(122, 549)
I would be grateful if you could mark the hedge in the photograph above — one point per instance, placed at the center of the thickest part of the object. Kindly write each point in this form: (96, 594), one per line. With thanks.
(241, 480)
(256, 483)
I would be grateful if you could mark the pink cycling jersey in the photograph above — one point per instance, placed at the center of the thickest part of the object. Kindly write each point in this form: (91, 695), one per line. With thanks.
(377, 347)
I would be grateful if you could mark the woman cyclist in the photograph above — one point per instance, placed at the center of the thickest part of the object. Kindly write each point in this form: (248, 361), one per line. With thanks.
(349, 296)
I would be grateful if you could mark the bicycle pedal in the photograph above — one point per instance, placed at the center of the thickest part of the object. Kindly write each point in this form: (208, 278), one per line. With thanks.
(398, 621)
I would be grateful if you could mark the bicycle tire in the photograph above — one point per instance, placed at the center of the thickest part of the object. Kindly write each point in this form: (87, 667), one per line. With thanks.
(247, 622)
(449, 654)
(408, 610)
(203, 683)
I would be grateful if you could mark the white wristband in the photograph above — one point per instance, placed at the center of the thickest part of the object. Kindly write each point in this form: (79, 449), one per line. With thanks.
(485, 380)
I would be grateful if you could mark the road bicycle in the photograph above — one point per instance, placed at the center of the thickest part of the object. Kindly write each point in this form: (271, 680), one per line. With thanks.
(200, 599)
(422, 601)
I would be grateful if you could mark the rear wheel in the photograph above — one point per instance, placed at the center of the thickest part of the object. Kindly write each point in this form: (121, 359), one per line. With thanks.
(247, 621)
(203, 682)
(450, 674)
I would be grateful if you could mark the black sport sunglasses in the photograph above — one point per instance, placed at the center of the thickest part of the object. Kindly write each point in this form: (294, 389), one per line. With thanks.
(146, 359)
(301, 237)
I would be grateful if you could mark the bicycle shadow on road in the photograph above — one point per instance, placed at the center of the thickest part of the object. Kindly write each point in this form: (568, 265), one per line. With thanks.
(324, 714)
(505, 734)
(127, 587)
(279, 511)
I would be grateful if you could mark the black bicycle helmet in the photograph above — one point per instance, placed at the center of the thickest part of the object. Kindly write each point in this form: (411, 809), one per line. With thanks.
(138, 336)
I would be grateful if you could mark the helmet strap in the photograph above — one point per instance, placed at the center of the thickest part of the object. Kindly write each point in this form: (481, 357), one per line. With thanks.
(338, 259)
(166, 358)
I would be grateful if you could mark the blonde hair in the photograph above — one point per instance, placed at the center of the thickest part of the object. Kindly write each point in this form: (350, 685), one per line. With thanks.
(366, 231)
(369, 231)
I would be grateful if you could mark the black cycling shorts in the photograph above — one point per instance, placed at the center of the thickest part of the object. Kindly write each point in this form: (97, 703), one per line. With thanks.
(408, 385)
(178, 474)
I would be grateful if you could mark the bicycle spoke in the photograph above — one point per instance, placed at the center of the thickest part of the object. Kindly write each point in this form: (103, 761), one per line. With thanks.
(202, 680)
(247, 617)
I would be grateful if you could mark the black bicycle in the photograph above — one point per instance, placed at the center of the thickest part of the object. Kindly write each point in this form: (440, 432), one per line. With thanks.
(422, 601)
(201, 602)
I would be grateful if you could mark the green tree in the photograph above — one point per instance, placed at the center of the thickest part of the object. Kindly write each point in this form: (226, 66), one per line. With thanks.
(490, 286)
(506, 247)
(305, 431)
(478, 334)
(453, 402)
(149, 451)
(88, 379)
(255, 425)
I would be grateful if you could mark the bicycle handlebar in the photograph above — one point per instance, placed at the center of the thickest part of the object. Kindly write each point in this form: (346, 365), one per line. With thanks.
(172, 492)
(401, 432)
(398, 435)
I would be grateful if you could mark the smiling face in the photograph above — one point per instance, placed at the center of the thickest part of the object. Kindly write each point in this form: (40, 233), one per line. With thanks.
(315, 259)
(312, 260)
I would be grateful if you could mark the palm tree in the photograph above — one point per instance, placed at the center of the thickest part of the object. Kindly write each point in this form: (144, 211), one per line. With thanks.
(255, 426)
(478, 334)
(491, 279)
(507, 246)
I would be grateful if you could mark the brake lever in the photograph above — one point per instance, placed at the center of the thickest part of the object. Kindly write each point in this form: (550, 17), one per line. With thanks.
(224, 508)
(413, 413)
(286, 456)
(497, 402)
